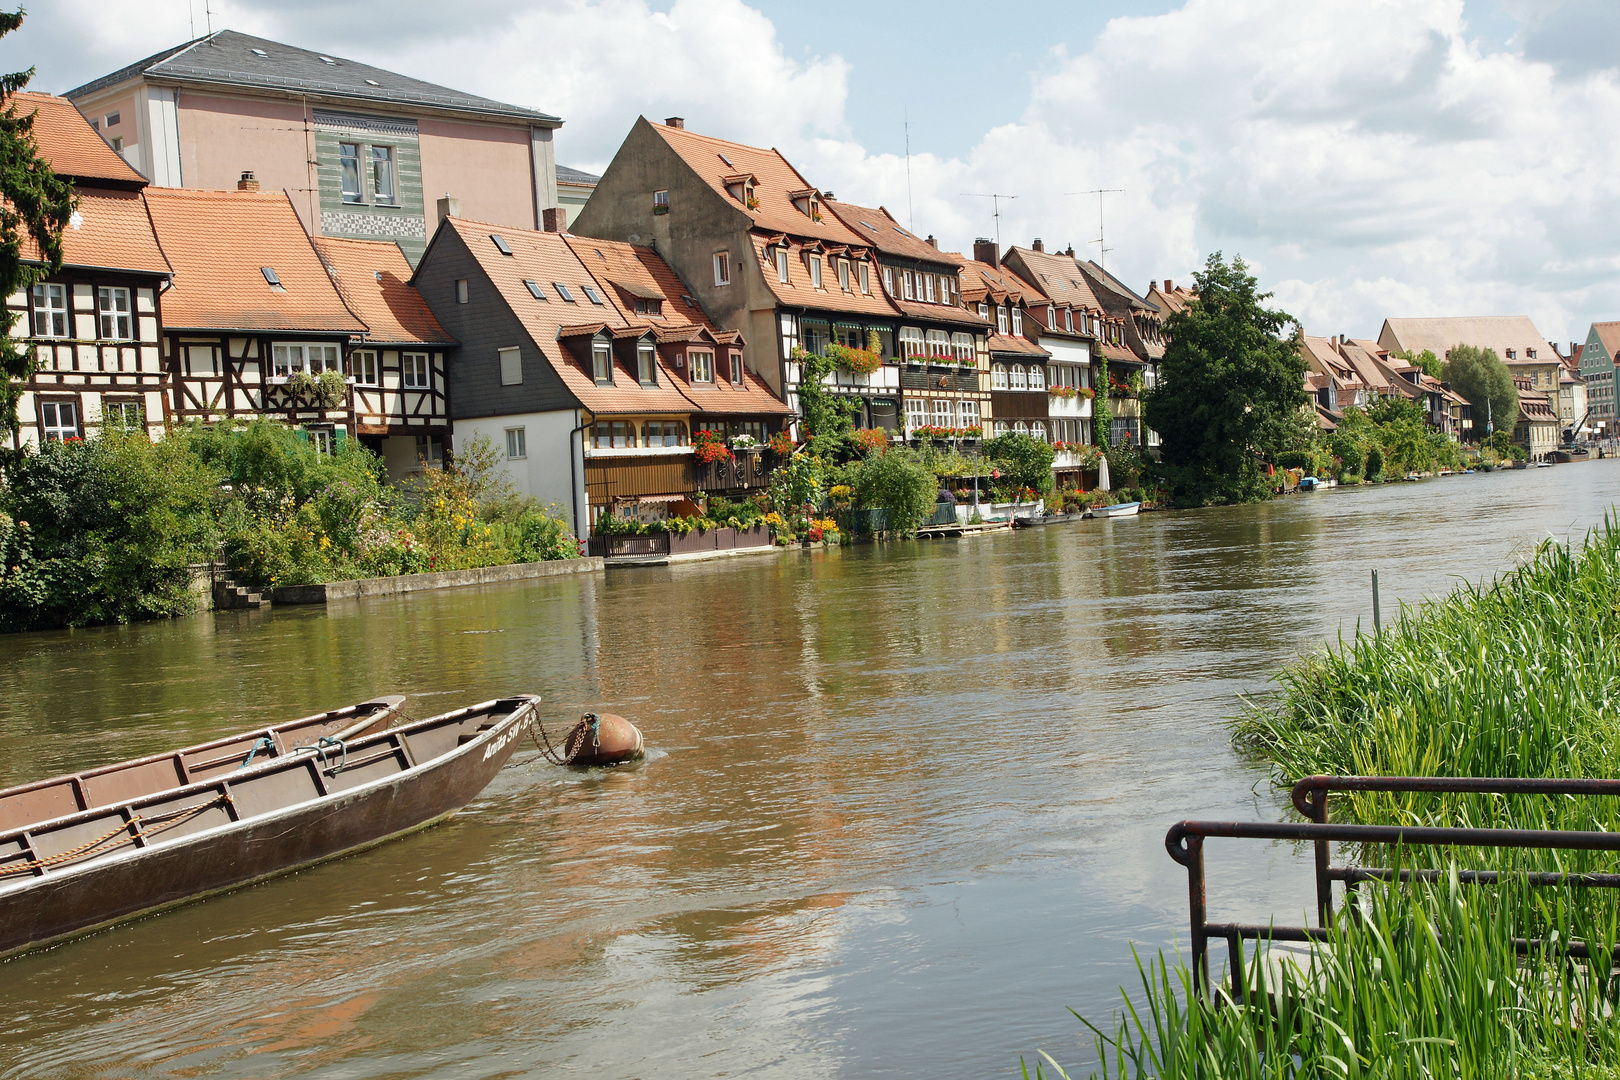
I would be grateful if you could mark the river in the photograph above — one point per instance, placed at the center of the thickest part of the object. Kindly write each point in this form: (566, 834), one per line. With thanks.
(905, 804)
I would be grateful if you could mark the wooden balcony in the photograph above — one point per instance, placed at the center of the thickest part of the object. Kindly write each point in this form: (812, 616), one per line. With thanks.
(745, 469)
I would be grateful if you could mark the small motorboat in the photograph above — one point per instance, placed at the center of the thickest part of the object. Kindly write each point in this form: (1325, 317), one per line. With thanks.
(598, 739)
(161, 772)
(1117, 510)
(64, 876)
(1310, 483)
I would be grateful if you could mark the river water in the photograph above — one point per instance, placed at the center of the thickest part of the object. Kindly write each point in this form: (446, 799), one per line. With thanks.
(906, 803)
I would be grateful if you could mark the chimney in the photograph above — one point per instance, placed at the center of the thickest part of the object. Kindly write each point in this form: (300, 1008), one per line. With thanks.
(247, 183)
(1036, 245)
(932, 242)
(1169, 286)
(675, 122)
(554, 220)
(1069, 251)
(829, 196)
(985, 251)
(449, 207)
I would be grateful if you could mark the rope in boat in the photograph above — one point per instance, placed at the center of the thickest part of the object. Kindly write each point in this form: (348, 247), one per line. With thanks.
(323, 750)
(163, 823)
(263, 742)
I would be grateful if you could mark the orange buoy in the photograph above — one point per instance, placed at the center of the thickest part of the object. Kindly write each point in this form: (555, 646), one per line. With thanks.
(598, 739)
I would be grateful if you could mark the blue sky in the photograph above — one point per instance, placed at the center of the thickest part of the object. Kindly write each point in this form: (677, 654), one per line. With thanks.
(1370, 158)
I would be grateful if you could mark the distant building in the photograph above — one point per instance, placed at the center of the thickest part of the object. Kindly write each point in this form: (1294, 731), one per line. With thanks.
(1514, 338)
(360, 151)
(1598, 359)
(1536, 428)
(574, 188)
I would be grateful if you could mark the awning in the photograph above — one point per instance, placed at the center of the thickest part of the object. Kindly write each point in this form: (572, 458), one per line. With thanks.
(661, 498)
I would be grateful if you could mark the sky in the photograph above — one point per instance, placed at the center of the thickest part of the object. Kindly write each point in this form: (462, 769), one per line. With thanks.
(1367, 158)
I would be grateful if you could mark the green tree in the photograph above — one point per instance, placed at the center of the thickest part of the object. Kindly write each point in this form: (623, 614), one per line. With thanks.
(1430, 363)
(35, 205)
(1024, 461)
(901, 482)
(828, 417)
(1231, 381)
(1485, 382)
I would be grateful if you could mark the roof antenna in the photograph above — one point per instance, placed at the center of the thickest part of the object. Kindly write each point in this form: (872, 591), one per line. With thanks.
(911, 213)
(208, 12)
(995, 204)
(191, 13)
(1102, 248)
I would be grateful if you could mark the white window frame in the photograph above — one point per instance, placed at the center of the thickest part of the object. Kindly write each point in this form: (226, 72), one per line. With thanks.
(51, 310)
(943, 411)
(736, 364)
(1068, 319)
(1001, 319)
(367, 370)
(115, 318)
(701, 365)
(1020, 378)
(602, 363)
(290, 356)
(116, 414)
(322, 441)
(911, 341)
(888, 280)
(53, 427)
(461, 290)
(909, 285)
(998, 376)
(1037, 377)
(722, 268)
(349, 166)
(984, 312)
(939, 343)
(1017, 322)
(1020, 427)
(843, 274)
(517, 443)
(916, 413)
(1037, 430)
(866, 279)
(661, 199)
(383, 174)
(646, 364)
(928, 287)
(967, 412)
(782, 265)
(962, 346)
(815, 271)
(510, 360)
(415, 371)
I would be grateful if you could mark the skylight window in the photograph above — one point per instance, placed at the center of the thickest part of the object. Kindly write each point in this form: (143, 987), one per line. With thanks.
(500, 243)
(270, 277)
(727, 160)
(259, 52)
(596, 297)
(562, 291)
(534, 289)
(869, 225)
(326, 59)
(373, 82)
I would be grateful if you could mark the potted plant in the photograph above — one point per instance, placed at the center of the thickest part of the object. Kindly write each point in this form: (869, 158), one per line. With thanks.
(709, 447)
(331, 388)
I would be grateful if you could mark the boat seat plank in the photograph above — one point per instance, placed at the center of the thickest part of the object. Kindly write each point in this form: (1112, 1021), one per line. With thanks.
(54, 840)
(29, 805)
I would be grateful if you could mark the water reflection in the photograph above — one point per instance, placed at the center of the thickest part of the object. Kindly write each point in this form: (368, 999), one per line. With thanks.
(908, 802)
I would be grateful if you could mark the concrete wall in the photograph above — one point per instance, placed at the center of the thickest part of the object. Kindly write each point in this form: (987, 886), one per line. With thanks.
(222, 136)
(486, 166)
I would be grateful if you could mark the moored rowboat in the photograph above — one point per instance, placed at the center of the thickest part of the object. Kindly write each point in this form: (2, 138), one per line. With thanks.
(66, 876)
(1117, 510)
(110, 784)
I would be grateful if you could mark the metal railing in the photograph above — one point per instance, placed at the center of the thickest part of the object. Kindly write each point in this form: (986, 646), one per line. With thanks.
(1185, 843)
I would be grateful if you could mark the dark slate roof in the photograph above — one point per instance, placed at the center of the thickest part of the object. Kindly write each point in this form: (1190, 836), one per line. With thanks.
(226, 58)
(565, 175)
(1104, 278)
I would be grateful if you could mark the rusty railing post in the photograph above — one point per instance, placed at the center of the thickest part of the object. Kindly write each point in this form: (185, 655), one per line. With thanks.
(1195, 904)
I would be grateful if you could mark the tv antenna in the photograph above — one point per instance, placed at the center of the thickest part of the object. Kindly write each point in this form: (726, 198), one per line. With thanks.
(911, 213)
(1102, 247)
(995, 198)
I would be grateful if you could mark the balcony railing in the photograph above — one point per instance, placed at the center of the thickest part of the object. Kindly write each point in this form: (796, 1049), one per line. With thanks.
(746, 469)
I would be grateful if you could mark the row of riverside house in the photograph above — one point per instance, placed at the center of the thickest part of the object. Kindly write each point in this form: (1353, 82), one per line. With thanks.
(351, 304)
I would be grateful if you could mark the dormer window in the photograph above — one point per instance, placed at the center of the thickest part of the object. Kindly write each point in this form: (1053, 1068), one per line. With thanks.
(782, 264)
(808, 203)
(984, 312)
(1017, 321)
(1530, 354)
(866, 279)
(843, 274)
(815, 271)
(646, 364)
(654, 308)
(1051, 316)
(741, 187)
(736, 363)
(1001, 319)
(888, 280)
(1068, 319)
(1511, 354)
(602, 363)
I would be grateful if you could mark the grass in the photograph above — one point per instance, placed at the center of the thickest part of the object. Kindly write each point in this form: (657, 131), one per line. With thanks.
(1516, 678)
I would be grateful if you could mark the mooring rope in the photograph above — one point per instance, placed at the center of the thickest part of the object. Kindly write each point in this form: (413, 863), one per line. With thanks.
(163, 823)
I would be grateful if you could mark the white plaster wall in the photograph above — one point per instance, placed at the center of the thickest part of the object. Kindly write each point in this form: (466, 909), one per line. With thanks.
(545, 474)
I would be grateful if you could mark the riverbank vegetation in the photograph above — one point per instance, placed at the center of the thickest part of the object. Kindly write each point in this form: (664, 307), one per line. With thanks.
(1515, 678)
(103, 530)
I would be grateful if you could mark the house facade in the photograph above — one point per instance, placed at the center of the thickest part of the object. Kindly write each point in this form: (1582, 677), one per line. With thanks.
(1066, 320)
(1142, 327)
(1536, 427)
(1023, 396)
(362, 152)
(94, 325)
(1598, 357)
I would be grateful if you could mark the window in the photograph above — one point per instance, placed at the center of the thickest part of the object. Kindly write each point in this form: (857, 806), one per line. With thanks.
(911, 341)
(594, 296)
(660, 202)
(646, 364)
(866, 279)
(1017, 321)
(562, 291)
(984, 312)
(928, 287)
(320, 439)
(939, 343)
(1510, 354)
(601, 362)
(617, 434)
(1001, 427)
(1020, 380)
(50, 310)
(311, 358)
(511, 366)
(118, 144)
(702, 365)
(461, 290)
(535, 290)
(112, 305)
(944, 413)
(998, 376)
(968, 413)
(1037, 377)
(888, 280)
(843, 274)
(736, 364)
(782, 264)
(910, 286)
(662, 433)
(815, 271)
(382, 175)
(413, 368)
(517, 444)
(364, 365)
(722, 268)
(655, 308)
(349, 164)
(200, 360)
(1001, 320)
(962, 346)
(113, 119)
(1037, 430)
(916, 412)
(1021, 428)
(1068, 319)
(1530, 354)
(127, 415)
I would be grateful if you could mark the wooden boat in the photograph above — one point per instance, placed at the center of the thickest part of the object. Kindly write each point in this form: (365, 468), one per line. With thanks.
(1117, 510)
(66, 876)
(110, 784)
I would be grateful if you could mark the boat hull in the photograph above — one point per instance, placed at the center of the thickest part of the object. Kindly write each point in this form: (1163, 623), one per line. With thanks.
(80, 899)
(1117, 510)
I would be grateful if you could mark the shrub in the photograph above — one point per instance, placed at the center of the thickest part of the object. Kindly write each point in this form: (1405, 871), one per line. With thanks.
(901, 484)
(1024, 461)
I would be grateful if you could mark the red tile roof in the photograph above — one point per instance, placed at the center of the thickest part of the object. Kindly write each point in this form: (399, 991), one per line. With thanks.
(111, 231)
(798, 292)
(1056, 278)
(373, 276)
(715, 159)
(218, 241)
(1014, 343)
(74, 148)
(877, 227)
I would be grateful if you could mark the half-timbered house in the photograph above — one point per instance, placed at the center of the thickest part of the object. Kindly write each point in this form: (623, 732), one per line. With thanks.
(1067, 322)
(254, 325)
(94, 325)
(401, 396)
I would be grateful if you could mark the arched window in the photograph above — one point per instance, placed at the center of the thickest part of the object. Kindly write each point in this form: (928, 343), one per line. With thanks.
(998, 376)
(1037, 430)
(1020, 381)
(1021, 428)
(1037, 377)
(1001, 427)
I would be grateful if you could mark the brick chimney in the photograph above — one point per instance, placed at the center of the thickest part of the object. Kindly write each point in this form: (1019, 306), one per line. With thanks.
(985, 251)
(932, 242)
(1069, 251)
(675, 122)
(1036, 245)
(829, 196)
(554, 220)
(448, 207)
(1169, 286)
(248, 182)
